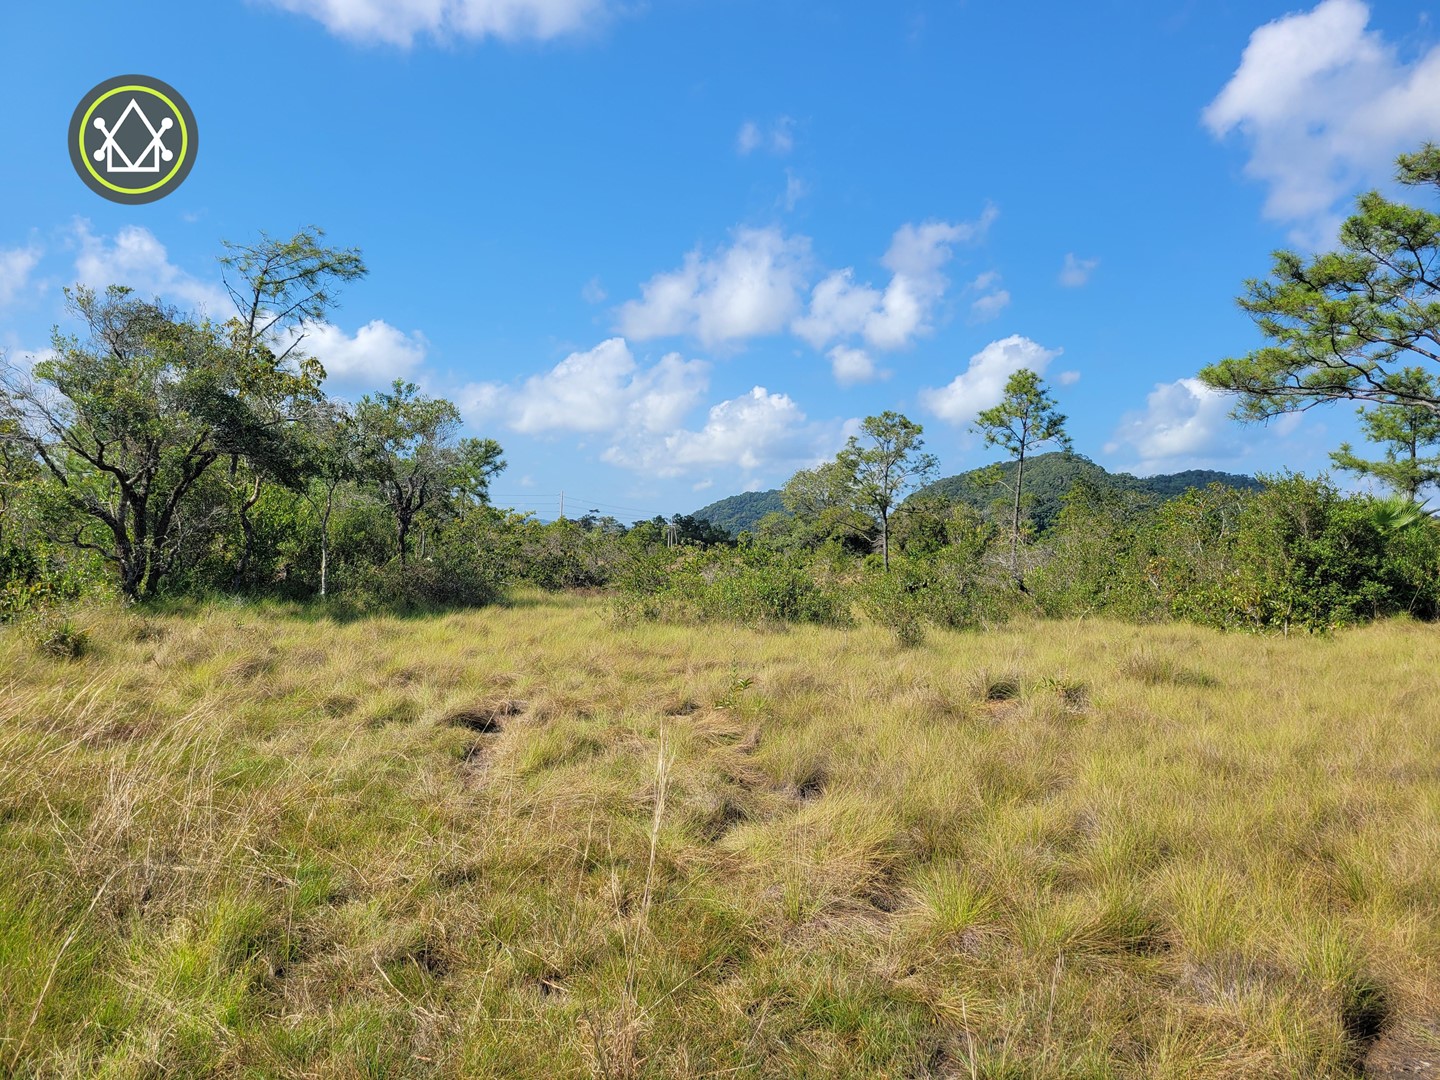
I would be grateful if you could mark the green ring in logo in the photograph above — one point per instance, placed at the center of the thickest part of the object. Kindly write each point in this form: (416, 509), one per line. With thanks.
(179, 158)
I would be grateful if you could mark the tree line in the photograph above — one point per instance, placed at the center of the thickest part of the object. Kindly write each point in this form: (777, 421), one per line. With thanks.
(158, 452)
(166, 445)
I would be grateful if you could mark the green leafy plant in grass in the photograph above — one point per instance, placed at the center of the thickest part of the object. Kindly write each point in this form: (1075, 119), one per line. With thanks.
(54, 634)
(738, 685)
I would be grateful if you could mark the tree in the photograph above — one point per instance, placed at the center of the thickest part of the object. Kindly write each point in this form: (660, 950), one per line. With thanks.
(885, 467)
(331, 448)
(1404, 430)
(1024, 420)
(823, 505)
(124, 424)
(701, 532)
(410, 450)
(279, 288)
(1342, 324)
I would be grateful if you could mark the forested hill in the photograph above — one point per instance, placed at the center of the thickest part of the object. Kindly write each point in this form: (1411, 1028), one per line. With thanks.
(740, 512)
(1047, 478)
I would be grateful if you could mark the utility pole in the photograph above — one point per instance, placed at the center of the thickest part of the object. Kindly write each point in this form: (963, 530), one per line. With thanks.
(562, 506)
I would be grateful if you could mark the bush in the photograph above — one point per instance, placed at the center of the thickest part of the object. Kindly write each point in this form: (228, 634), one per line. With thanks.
(1093, 557)
(779, 592)
(1296, 555)
(752, 586)
(960, 586)
(419, 585)
(35, 577)
(892, 602)
(1411, 570)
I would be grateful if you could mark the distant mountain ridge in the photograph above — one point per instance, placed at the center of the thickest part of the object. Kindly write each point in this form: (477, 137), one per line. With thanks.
(1048, 478)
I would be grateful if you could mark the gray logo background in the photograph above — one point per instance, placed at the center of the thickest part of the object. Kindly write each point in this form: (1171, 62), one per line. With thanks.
(132, 137)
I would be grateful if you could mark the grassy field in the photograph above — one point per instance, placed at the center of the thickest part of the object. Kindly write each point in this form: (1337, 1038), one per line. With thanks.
(534, 841)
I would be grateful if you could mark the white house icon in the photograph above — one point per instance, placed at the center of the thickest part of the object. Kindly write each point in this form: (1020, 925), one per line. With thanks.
(149, 158)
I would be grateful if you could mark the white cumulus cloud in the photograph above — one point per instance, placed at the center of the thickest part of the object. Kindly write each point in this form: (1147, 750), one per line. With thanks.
(758, 431)
(602, 389)
(746, 290)
(853, 366)
(982, 384)
(890, 318)
(1324, 105)
(400, 22)
(134, 257)
(1184, 424)
(373, 357)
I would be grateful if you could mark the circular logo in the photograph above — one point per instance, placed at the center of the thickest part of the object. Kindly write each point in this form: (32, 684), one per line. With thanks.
(133, 139)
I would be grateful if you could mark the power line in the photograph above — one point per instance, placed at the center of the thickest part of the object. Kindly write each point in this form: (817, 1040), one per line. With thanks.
(551, 500)
(613, 506)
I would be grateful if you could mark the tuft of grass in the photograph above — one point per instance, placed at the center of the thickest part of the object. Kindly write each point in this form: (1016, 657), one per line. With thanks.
(1073, 697)
(56, 636)
(947, 903)
(988, 685)
(1146, 666)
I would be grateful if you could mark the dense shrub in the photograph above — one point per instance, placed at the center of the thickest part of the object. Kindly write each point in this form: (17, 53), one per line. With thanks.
(37, 576)
(958, 587)
(1093, 560)
(419, 585)
(1296, 555)
(751, 586)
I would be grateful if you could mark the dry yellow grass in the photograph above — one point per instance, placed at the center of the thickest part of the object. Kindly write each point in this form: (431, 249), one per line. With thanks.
(533, 841)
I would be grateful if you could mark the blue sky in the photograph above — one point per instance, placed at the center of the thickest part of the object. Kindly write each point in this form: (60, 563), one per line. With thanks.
(672, 250)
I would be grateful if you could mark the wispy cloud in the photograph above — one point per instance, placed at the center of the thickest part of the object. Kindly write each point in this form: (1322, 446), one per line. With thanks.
(1324, 105)
(1077, 272)
(778, 137)
(400, 22)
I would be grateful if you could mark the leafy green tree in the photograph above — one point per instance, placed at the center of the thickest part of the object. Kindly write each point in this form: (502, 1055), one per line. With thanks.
(125, 421)
(881, 466)
(823, 505)
(1025, 419)
(690, 529)
(279, 288)
(1342, 324)
(1404, 431)
(411, 451)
